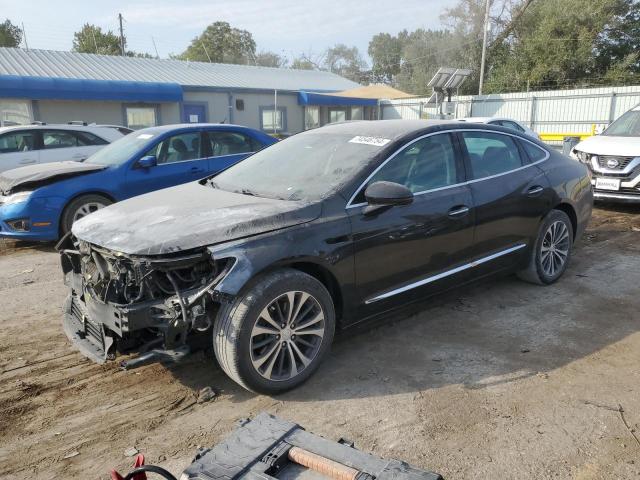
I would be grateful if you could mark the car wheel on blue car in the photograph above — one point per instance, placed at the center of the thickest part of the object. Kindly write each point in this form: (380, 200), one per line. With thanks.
(81, 207)
(276, 334)
(551, 252)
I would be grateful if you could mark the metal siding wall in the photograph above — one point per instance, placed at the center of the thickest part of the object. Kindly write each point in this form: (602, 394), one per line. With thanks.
(559, 111)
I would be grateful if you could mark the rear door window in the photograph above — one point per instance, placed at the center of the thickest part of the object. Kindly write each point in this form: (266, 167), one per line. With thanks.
(178, 148)
(17, 142)
(491, 153)
(512, 126)
(87, 139)
(231, 143)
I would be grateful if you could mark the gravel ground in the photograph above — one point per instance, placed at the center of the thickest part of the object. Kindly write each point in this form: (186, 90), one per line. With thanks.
(499, 380)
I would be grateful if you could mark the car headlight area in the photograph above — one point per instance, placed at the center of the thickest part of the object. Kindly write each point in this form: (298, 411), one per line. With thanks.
(15, 197)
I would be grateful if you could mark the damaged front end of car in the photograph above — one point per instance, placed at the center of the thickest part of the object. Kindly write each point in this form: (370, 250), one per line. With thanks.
(152, 305)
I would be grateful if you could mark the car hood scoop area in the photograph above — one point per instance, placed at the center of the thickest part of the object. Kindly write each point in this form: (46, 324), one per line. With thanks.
(35, 176)
(186, 217)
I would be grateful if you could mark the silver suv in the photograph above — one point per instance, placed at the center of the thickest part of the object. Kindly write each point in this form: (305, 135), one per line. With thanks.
(22, 145)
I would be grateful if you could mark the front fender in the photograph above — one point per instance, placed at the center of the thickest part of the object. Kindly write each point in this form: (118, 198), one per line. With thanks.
(332, 250)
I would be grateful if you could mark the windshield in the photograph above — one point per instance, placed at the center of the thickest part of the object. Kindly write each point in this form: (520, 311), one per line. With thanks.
(121, 150)
(307, 166)
(628, 125)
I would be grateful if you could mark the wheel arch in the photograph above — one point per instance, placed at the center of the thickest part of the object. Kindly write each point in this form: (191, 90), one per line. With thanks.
(324, 276)
(104, 194)
(571, 213)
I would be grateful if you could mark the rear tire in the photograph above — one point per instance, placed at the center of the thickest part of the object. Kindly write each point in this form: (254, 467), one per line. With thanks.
(80, 207)
(276, 332)
(551, 252)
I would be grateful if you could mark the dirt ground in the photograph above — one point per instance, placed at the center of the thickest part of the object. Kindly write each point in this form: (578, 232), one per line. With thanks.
(499, 380)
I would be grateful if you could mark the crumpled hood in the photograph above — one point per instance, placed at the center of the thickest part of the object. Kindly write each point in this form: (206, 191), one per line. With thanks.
(606, 145)
(42, 174)
(186, 217)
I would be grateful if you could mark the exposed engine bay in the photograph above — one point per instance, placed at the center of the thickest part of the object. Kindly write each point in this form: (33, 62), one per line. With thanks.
(123, 303)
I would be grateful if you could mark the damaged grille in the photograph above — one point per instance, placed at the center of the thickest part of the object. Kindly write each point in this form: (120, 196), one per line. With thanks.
(121, 279)
(613, 162)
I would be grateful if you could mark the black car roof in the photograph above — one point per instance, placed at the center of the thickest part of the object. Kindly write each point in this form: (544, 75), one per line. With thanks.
(401, 129)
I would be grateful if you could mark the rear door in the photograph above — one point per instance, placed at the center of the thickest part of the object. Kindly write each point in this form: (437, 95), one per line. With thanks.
(64, 145)
(18, 148)
(227, 147)
(413, 250)
(511, 195)
(180, 159)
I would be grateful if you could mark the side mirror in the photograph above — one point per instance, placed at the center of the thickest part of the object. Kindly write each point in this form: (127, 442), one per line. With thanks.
(386, 194)
(147, 162)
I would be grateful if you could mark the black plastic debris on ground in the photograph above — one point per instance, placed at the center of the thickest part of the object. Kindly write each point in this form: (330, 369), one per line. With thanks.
(259, 450)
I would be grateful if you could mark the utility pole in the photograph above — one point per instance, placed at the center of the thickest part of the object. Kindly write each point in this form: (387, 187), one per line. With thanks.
(121, 35)
(24, 36)
(484, 44)
(153, 40)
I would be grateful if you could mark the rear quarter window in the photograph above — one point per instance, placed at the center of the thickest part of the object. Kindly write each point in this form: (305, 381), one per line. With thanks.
(534, 152)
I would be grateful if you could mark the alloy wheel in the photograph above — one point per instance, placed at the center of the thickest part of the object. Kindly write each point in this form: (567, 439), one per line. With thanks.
(555, 248)
(86, 209)
(287, 336)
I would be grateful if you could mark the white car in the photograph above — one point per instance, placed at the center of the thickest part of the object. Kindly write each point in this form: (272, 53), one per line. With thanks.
(614, 159)
(503, 122)
(22, 145)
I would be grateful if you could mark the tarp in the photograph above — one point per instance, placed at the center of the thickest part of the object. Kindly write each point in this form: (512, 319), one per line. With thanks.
(40, 88)
(312, 98)
(374, 91)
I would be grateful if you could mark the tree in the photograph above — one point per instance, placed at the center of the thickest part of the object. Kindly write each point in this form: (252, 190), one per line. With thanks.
(220, 43)
(345, 61)
(271, 59)
(386, 52)
(564, 47)
(10, 34)
(91, 39)
(303, 63)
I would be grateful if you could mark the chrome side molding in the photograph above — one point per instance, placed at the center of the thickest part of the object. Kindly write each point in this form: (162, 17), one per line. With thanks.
(445, 274)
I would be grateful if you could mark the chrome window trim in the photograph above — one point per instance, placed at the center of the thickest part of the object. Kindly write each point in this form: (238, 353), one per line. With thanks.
(445, 274)
(393, 155)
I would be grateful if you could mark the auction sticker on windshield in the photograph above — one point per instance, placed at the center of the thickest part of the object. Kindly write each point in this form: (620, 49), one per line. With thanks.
(375, 141)
(608, 183)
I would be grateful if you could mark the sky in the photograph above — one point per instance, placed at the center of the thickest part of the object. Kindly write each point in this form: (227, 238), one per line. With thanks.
(288, 28)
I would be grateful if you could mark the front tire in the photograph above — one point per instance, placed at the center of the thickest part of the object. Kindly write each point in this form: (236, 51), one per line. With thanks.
(551, 252)
(81, 207)
(276, 333)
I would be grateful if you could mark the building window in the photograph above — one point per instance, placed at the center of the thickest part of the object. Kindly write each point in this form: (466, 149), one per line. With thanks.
(141, 117)
(15, 112)
(239, 104)
(272, 120)
(311, 117)
(356, 113)
(337, 115)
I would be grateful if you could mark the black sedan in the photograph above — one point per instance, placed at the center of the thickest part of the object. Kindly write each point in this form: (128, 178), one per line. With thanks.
(320, 231)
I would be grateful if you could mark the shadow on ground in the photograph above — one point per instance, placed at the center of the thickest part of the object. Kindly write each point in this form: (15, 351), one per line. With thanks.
(482, 335)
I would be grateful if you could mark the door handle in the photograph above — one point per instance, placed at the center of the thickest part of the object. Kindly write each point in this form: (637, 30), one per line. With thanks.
(80, 157)
(459, 211)
(27, 161)
(195, 170)
(535, 190)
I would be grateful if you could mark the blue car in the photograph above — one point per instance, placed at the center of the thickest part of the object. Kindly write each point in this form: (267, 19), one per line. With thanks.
(41, 202)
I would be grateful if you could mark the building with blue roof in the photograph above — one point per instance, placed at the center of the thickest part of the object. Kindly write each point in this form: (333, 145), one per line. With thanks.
(61, 87)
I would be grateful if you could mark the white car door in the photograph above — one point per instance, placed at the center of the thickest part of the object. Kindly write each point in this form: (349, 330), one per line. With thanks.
(63, 145)
(18, 149)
